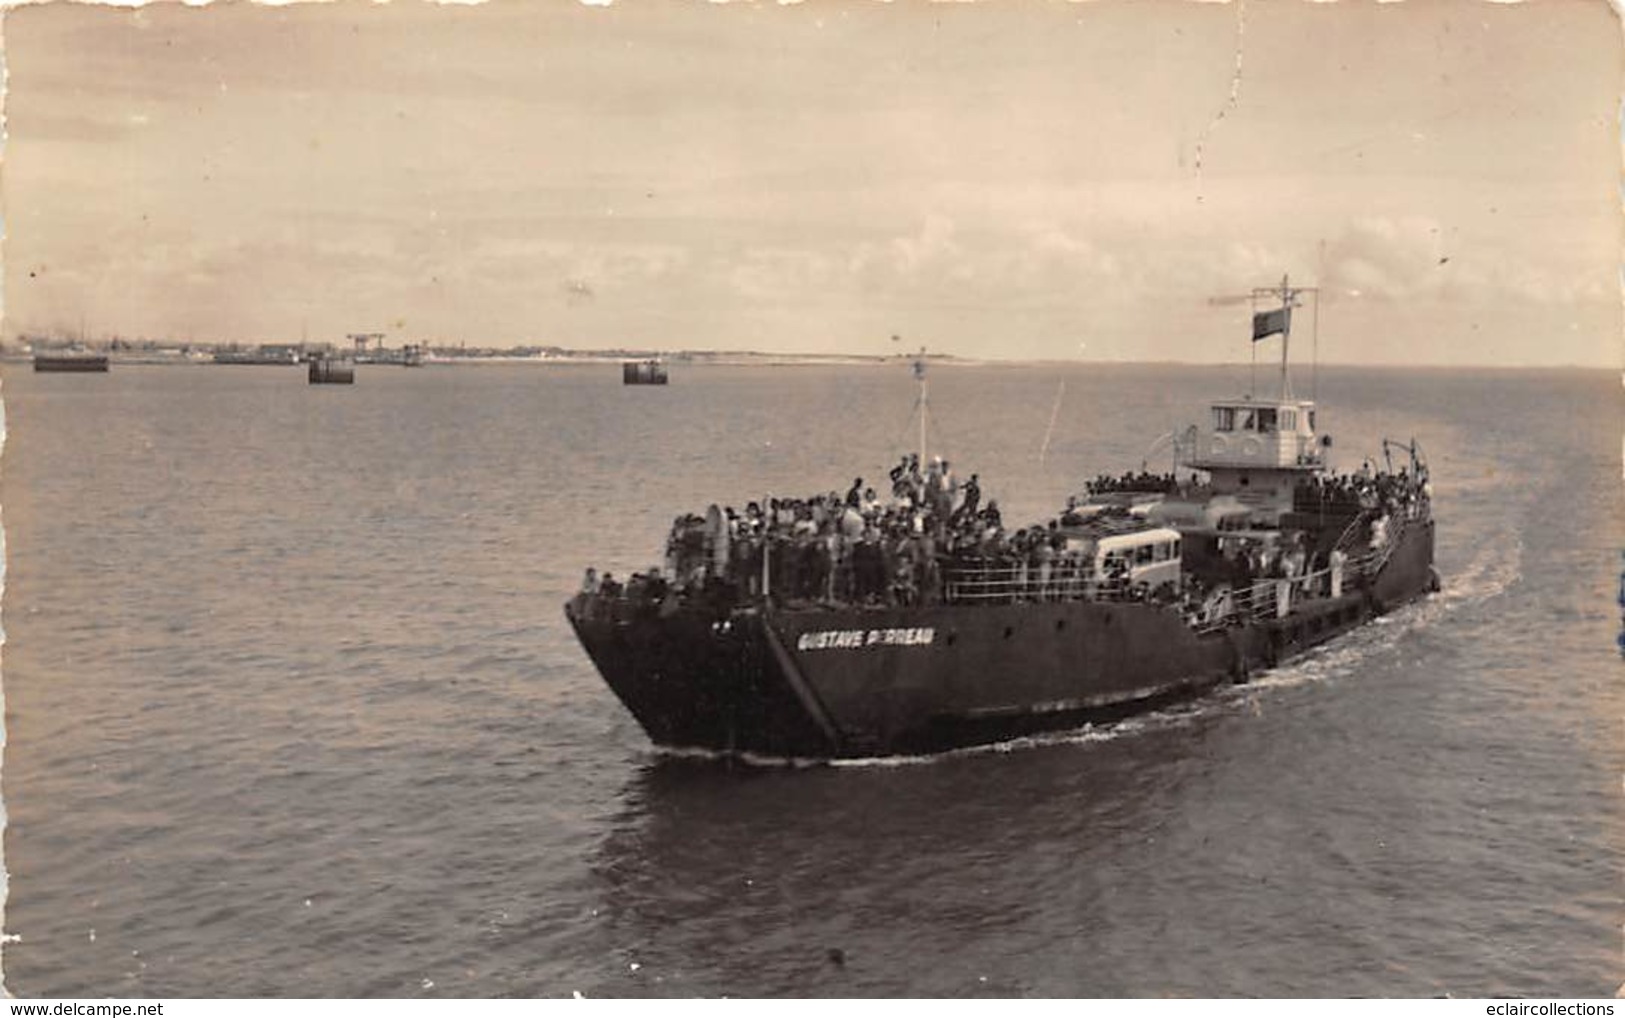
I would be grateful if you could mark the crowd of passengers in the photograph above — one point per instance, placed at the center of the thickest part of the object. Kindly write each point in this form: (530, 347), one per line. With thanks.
(853, 548)
(1393, 494)
(932, 538)
(1142, 481)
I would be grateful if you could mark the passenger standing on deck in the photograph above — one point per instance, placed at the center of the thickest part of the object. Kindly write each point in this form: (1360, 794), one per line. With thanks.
(1379, 533)
(588, 593)
(1044, 553)
(716, 543)
(747, 560)
(854, 497)
(1241, 576)
(674, 544)
(928, 582)
(973, 496)
(694, 557)
(829, 547)
(869, 572)
(814, 567)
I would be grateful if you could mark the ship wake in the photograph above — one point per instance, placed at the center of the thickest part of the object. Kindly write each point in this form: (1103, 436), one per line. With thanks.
(1495, 568)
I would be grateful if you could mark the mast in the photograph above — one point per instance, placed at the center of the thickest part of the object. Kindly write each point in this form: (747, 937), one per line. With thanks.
(919, 375)
(1286, 334)
(1287, 294)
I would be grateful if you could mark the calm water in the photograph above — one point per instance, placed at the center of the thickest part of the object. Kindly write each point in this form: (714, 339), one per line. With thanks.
(292, 709)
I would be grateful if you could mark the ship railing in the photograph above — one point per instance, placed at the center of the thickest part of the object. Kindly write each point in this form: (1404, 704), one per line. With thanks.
(1010, 584)
(1351, 533)
(1261, 601)
(1368, 563)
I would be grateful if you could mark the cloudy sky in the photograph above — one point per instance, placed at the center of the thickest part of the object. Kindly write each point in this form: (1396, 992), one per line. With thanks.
(1011, 179)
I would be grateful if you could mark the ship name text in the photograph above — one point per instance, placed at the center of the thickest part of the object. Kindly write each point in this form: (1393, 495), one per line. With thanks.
(852, 639)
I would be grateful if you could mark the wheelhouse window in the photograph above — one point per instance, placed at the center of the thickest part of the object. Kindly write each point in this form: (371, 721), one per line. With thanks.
(1289, 420)
(1266, 420)
(1224, 418)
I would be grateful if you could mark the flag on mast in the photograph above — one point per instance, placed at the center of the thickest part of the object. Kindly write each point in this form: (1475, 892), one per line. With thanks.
(1268, 323)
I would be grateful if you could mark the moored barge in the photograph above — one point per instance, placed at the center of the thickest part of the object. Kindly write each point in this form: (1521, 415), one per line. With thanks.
(647, 372)
(71, 362)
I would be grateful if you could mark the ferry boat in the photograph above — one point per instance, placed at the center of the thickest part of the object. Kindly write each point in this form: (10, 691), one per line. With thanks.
(1145, 591)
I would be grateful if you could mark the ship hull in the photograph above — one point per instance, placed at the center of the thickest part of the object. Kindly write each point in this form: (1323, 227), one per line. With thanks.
(824, 683)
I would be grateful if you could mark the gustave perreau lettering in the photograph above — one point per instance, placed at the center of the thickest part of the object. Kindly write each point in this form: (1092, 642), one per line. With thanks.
(851, 639)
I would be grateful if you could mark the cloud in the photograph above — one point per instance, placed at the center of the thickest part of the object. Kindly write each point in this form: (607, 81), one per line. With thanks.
(776, 273)
(910, 261)
(1387, 258)
(994, 264)
(1411, 258)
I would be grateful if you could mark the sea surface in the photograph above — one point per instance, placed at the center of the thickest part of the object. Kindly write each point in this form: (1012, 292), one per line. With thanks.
(292, 709)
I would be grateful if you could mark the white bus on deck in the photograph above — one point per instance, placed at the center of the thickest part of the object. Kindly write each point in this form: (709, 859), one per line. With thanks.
(1144, 557)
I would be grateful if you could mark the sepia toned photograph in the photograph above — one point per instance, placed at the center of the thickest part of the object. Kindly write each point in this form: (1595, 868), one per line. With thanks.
(668, 499)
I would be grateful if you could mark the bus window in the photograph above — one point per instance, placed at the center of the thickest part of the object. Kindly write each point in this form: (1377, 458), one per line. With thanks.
(1142, 555)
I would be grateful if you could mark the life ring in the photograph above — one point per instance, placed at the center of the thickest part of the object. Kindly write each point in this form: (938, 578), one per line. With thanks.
(1220, 446)
(1251, 447)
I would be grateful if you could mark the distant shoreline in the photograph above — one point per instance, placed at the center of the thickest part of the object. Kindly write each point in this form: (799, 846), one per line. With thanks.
(704, 359)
